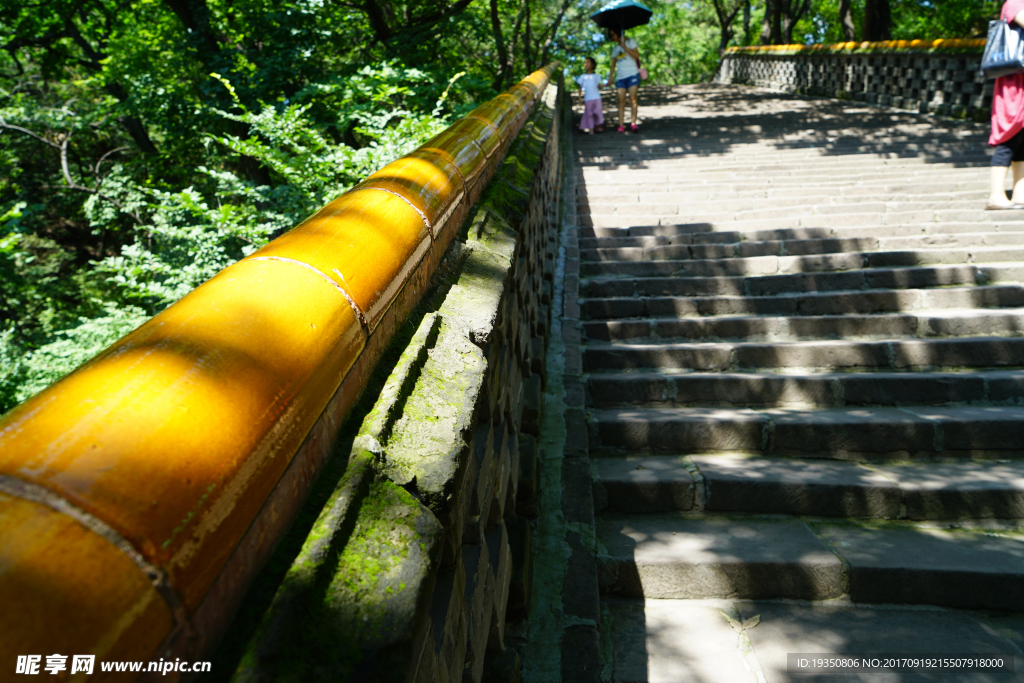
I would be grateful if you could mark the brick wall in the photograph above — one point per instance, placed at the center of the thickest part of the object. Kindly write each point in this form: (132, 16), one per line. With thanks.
(950, 85)
(419, 555)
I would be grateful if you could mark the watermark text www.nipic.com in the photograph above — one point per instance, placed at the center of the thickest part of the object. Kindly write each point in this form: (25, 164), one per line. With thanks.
(30, 665)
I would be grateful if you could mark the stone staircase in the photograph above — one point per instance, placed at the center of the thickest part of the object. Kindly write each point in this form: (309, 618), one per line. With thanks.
(804, 350)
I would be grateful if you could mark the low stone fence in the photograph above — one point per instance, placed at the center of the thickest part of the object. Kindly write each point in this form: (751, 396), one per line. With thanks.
(141, 495)
(422, 552)
(942, 79)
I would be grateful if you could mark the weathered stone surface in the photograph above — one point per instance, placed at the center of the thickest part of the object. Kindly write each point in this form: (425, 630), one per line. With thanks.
(581, 655)
(963, 490)
(850, 432)
(449, 615)
(683, 430)
(982, 428)
(667, 641)
(845, 631)
(580, 595)
(479, 588)
(796, 487)
(577, 500)
(914, 565)
(634, 484)
(520, 544)
(690, 356)
(662, 556)
(501, 566)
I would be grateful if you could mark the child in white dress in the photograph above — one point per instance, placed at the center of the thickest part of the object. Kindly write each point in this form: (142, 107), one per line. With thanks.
(590, 86)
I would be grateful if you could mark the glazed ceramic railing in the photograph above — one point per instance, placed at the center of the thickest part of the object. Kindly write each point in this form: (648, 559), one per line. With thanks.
(938, 76)
(140, 494)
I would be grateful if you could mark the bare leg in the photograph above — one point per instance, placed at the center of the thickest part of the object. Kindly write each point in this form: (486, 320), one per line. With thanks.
(997, 192)
(632, 101)
(1018, 182)
(622, 106)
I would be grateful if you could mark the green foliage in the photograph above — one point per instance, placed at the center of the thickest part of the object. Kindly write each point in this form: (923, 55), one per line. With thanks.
(171, 240)
(931, 19)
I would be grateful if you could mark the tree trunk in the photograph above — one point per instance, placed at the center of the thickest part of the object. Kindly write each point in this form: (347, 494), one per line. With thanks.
(877, 20)
(527, 42)
(791, 15)
(777, 22)
(846, 20)
(552, 32)
(766, 24)
(504, 63)
(746, 22)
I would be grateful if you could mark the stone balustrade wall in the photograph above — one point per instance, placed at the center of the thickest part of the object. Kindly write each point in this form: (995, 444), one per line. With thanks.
(141, 495)
(946, 84)
(422, 553)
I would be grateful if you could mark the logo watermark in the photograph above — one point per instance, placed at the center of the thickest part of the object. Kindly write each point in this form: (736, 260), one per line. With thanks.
(34, 665)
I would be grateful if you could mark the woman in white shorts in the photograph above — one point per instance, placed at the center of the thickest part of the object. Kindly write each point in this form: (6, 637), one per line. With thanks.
(625, 57)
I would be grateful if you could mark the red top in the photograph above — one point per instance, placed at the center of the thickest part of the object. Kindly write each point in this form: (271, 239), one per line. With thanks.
(1008, 95)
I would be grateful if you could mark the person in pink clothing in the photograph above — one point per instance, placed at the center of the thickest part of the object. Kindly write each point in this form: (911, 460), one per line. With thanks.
(1008, 128)
(590, 86)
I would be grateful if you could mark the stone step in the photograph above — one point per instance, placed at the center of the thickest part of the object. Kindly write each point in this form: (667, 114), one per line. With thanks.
(828, 174)
(673, 556)
(854, 326)
(817, 304)
(667, 641)
(785, 197)
(744, 249)
(814, 241)
(851, 433)
(780, 265)
(858, 219)
(901, 354)
(821, 390)
(766, 285)
(818, 488)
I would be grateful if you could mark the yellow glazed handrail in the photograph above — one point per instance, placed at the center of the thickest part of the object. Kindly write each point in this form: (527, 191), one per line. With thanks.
(139, 493)
(942, 43)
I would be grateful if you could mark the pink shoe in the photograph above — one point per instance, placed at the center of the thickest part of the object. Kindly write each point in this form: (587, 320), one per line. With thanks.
(622, 129)
(633, 127)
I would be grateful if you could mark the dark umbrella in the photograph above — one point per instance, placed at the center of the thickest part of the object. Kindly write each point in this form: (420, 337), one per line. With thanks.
(622, 15)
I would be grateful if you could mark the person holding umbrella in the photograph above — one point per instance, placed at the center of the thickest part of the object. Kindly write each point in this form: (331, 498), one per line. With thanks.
(626, 58)
(616, 17)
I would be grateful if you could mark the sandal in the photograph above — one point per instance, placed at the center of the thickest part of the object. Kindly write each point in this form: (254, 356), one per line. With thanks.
(633, 127)
(622, 129)
(1000, 207)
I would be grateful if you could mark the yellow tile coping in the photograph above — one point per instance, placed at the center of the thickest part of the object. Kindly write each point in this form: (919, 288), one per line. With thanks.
(885, 45)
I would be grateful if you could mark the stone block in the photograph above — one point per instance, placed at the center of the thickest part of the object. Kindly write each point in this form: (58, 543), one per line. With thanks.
(685, 430)
(483, 446)
(670, 556)
(927, 566)
(532, 400)
(500, 472)
(448, 615)
(796, 487)
(850, 433)
(501, 567)
(577, 500)
(520, 538)
(479, 587)
(526, 495)
(581, 656)
(634, 484)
